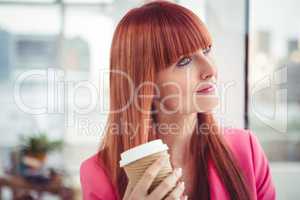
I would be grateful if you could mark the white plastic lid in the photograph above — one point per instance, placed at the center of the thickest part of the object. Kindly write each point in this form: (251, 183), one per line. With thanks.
(141, 151)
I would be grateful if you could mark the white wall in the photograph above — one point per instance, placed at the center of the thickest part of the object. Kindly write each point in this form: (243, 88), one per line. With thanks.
(225, 20)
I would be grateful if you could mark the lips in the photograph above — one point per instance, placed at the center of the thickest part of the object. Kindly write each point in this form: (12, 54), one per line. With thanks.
(206, 88)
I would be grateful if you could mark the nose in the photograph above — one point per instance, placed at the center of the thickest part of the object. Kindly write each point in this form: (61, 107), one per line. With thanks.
(207, 70)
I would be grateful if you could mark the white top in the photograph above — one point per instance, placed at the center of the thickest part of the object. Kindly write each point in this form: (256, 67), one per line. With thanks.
(141, 151)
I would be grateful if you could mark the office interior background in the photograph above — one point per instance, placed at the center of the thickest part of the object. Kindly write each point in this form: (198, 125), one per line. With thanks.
(256, 49)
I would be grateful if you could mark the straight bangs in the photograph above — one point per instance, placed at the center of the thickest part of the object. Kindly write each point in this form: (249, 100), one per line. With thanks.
(175, 32)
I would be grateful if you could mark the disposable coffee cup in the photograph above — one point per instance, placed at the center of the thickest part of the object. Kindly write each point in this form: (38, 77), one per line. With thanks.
(136, 160)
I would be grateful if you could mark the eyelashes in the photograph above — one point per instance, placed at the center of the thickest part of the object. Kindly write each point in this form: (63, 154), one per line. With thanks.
(188, 59)
(207, 50)
(184, 61)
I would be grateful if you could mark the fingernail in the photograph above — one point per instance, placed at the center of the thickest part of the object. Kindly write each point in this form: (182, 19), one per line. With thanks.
(161, 160)
(182, 184)
(178, 171)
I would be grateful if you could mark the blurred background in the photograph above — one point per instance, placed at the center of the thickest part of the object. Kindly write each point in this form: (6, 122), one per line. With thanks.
(54, 57)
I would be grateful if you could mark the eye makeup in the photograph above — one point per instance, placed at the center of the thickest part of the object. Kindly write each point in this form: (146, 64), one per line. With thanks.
(187, 59)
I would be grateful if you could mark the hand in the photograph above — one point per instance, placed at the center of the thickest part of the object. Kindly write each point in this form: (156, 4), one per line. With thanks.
(167, 186)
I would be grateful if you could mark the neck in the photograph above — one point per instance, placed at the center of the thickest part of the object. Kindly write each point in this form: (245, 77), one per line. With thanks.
(176, 130)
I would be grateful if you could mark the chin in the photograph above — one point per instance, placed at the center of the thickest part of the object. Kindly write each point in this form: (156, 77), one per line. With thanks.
(206, 105)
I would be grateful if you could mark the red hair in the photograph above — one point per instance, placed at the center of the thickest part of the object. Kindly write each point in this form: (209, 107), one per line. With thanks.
(147, 40)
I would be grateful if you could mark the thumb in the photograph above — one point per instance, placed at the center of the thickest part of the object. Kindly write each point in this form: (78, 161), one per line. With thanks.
(128, 191)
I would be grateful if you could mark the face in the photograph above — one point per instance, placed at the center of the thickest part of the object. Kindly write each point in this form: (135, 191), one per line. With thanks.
(188, 85)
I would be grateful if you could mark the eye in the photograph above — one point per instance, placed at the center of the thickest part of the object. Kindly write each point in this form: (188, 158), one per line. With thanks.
(184, 61)
(207, 50)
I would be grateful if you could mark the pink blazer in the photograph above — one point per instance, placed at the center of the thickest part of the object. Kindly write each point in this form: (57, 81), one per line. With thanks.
(245, 146)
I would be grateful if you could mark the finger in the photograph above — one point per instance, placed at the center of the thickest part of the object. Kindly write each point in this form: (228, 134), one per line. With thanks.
(128, 191)
(149, 175)
(177, 193)
(166, 185)
(185, 197)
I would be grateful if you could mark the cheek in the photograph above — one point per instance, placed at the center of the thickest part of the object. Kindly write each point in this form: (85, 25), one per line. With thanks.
(181, 88)
(173, 94)
(177, 89)
(170, 94)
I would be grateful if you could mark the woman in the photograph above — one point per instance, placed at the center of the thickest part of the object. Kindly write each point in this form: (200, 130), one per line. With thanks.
(162, 75)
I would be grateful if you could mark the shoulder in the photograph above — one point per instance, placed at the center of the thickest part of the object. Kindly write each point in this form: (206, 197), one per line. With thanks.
(95, 183)
(236, 134)
(245, 145)
(253, 160)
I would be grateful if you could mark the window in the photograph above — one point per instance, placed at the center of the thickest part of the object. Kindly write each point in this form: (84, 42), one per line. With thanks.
(274, 77)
